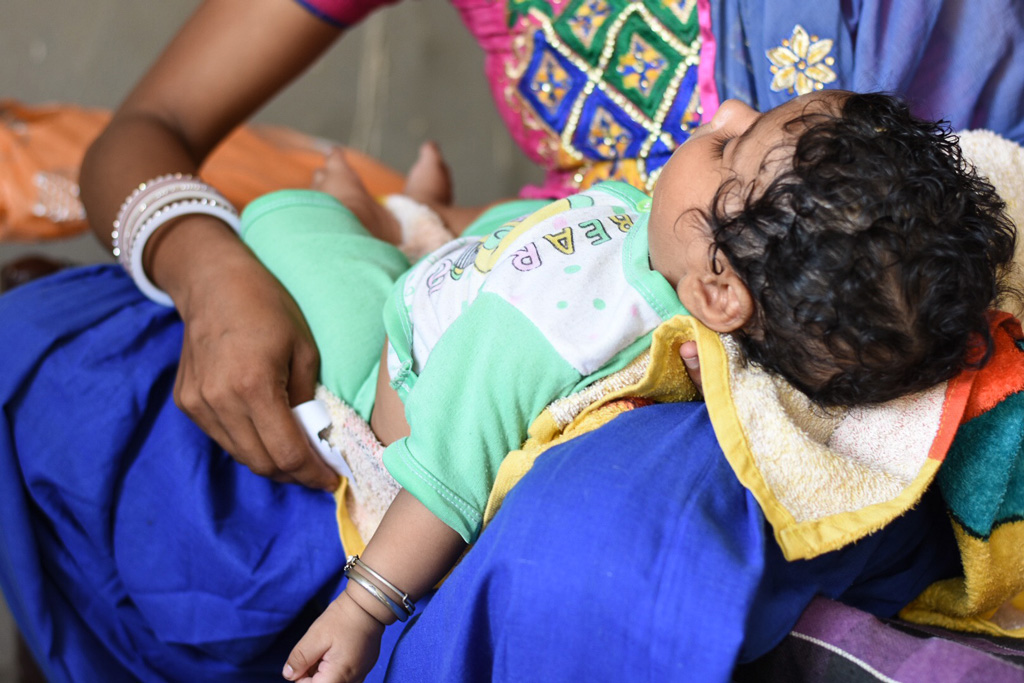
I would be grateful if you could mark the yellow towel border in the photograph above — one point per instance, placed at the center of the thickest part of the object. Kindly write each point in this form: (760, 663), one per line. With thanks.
(666, 380)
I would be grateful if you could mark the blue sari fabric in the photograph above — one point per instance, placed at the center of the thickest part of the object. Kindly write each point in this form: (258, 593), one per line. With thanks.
(133, 548)
(123, 525)
(632, 553)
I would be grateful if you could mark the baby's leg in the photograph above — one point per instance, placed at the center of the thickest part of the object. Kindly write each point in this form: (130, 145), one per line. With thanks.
(427, 182)
(338, 274)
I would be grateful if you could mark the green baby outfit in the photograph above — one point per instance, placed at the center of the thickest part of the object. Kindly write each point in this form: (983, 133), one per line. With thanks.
(483, 333)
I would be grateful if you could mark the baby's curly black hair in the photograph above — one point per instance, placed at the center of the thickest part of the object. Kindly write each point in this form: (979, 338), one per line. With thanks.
(873, 260)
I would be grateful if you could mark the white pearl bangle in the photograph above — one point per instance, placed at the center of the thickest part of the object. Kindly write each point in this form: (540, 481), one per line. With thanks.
(225, 212)
(124, 223)
(150, 206)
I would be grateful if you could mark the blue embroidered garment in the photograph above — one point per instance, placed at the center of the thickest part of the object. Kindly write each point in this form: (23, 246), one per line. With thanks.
(954, 60)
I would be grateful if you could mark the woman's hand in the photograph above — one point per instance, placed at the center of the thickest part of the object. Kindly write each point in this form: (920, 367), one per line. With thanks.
(247, 354)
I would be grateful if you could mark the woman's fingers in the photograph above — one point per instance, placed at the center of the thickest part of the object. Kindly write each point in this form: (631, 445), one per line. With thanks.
(287, 446)
(222, 422)
(246, 355)
(253, 421)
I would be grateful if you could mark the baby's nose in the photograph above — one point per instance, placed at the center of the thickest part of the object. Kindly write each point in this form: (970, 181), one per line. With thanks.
(733, 112)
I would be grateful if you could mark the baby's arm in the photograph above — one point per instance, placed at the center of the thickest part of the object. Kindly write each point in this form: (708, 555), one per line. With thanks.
(413, 550)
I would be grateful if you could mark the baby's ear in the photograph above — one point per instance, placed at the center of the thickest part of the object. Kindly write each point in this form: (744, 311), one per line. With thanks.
(724, 302)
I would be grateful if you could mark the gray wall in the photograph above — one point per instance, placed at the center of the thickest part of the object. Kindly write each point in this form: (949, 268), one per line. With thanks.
(408, 74)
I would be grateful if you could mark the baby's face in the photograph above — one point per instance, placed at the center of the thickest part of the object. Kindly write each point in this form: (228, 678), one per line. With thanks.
(738, 144)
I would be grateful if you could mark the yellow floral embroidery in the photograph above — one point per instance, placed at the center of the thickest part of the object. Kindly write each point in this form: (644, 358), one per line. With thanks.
(606, 136)
(588, 20)
(802, 63)
(552, 84)
(641, 66)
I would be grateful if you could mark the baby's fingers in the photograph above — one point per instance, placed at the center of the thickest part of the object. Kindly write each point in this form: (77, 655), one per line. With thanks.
(688, 353)
(340, 647)
(306, 655)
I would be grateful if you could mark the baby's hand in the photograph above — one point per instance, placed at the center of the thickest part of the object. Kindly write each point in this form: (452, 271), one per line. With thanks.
(341, 646)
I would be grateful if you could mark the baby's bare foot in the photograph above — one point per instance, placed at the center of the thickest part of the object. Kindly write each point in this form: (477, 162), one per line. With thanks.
(428, 180)
(339, 180)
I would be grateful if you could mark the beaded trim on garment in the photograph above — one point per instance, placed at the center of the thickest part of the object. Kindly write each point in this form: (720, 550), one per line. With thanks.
(567, 409)
(612, 86)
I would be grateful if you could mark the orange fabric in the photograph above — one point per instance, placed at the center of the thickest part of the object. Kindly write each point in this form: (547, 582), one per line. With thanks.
(973, 392)
(41, 150)
(1004, 373)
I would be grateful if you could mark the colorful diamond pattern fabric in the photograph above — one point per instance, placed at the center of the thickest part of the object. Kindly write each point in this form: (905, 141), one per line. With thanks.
(614, 81)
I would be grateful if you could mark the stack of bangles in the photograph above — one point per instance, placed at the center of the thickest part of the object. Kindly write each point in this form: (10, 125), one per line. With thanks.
(153, 204)
(366, 578)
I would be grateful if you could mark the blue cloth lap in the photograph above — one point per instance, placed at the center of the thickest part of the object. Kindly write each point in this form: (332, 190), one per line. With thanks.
(135, 549)
(131, 543)
(633, 553)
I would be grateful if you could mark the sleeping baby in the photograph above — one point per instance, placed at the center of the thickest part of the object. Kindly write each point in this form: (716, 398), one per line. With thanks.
(843, 243)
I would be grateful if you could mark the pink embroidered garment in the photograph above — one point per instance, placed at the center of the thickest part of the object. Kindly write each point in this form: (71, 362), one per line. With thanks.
(589, 89)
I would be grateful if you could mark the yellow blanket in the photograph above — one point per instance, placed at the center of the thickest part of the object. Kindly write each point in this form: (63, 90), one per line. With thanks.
(826, 479)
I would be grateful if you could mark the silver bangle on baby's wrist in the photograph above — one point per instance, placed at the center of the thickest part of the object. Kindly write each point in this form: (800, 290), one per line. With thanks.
(402, 609)
(152, 205)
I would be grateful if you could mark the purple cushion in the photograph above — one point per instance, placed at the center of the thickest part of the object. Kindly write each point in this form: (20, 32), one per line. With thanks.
(834, 642)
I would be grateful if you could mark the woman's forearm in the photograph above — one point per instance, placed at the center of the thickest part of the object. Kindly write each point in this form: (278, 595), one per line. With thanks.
(227, 60)
(113, 167)
(133, 149)
(247, 354)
